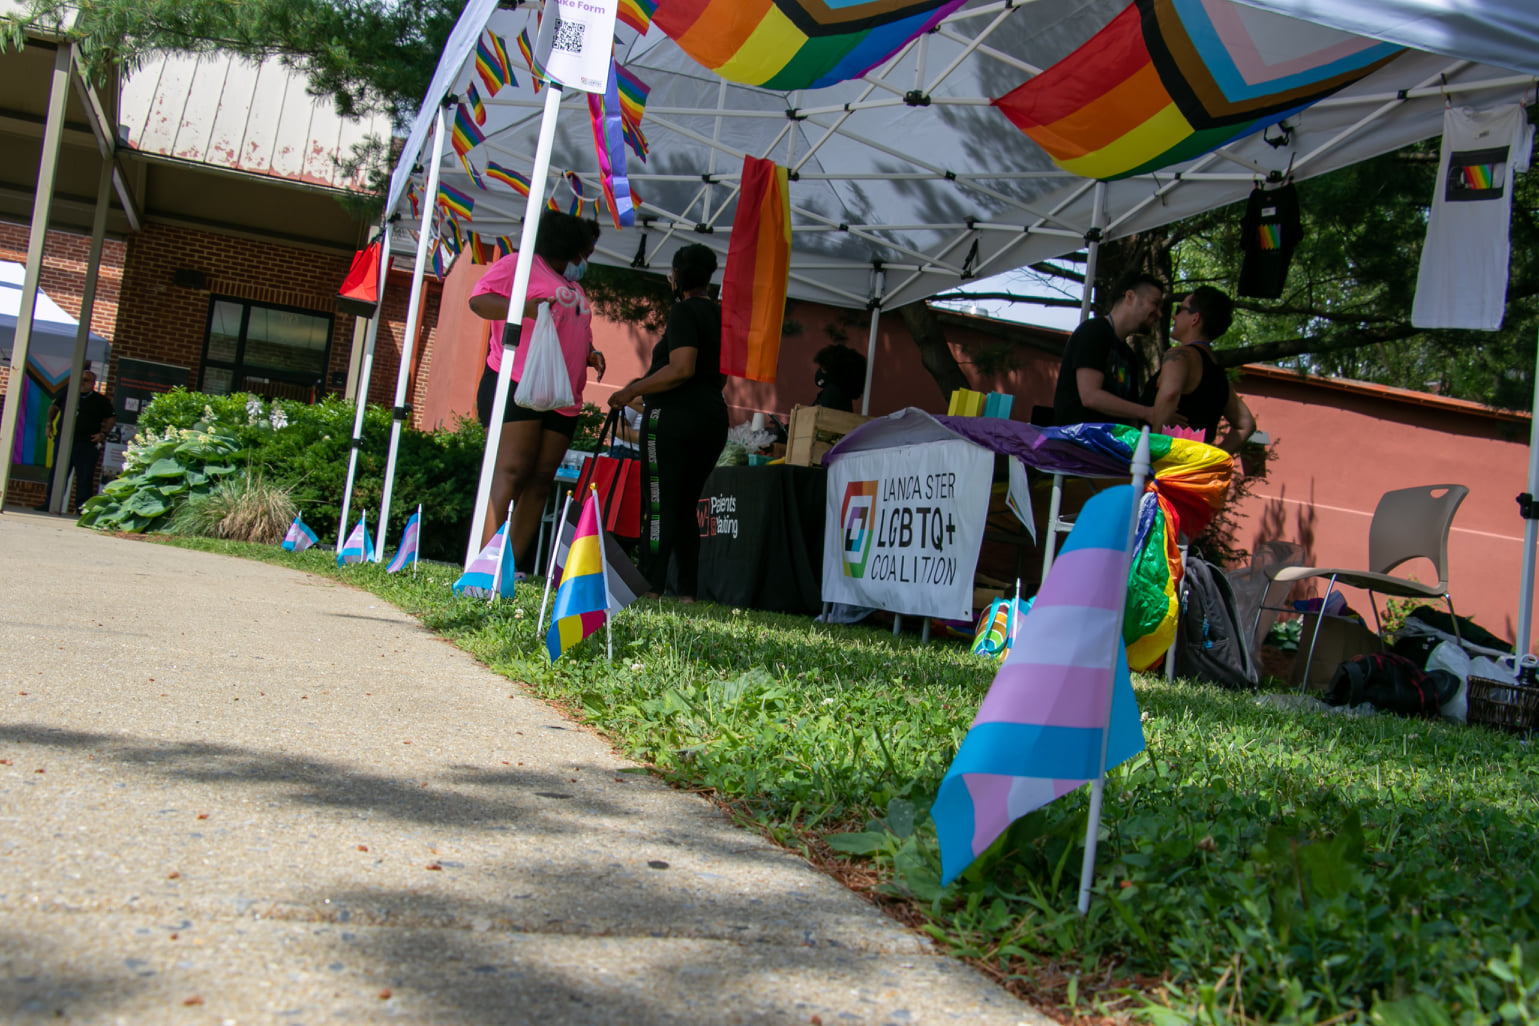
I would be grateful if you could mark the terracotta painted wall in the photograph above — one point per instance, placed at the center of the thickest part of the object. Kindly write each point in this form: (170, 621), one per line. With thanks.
(1337, 451)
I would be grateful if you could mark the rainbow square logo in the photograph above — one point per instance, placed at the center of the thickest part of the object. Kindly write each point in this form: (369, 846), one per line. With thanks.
(857, 526)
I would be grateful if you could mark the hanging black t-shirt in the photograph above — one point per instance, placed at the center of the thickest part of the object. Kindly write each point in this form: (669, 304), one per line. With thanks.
(693, 323)
(1095, 345)
(1268, 234)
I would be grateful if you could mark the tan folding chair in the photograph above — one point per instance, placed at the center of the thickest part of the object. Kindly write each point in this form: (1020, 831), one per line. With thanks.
(1408, 523)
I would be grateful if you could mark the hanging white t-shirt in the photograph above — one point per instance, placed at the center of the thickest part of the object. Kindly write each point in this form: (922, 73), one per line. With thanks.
(1462, 282)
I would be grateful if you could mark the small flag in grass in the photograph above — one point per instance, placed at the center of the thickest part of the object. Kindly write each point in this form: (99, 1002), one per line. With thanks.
(300, 537)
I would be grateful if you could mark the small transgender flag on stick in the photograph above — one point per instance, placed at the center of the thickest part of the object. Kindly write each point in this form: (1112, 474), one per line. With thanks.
(408, 549)
(1061, 709)
(358, 545)
(490, 574)
(300, 537)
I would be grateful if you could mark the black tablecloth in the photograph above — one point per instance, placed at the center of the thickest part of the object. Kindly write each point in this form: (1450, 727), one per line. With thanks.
(761, 538)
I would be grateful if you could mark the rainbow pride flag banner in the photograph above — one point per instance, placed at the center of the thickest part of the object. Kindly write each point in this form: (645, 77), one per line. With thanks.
(477, 108)
(466, 134)
(440, 266)
(300, 536)
(492, 63)
(796, 44)
(753, 285)
(1038, 734)
(637, 14)
(454, 202)
(519, 183)
(583, 598)
(1169, 80)
(633, 106)
(526, 48)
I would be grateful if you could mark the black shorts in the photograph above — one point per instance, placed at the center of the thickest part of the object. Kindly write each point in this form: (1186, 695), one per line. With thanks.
(550, 420)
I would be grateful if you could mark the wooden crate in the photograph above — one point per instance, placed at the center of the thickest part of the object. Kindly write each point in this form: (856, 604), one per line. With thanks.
(814, 430)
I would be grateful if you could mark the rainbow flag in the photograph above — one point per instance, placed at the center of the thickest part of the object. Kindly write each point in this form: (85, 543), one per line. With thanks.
(605, 117)
(753, 286)
(359, 547)
(507, 176)
(439, 270)
(451, 237)
(637, 14)
(1479, 176)
(1269, 236)
(633, 106)
(466, 134)
(481, 251)
(796, 44)
(492, 64)
(1038, 734)
(527, 49)
(583, 597)
(477, 108)
(454, 202)
(1169, 80)
(300, 537)
(490, 574)
(475, 176)
(506, 246)
(409, 544)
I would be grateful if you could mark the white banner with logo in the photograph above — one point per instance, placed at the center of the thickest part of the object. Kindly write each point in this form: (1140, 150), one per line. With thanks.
(903, 526)
(576, 41)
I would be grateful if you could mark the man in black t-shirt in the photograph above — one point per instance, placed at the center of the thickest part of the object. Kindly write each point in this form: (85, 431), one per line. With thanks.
(1101, 378)
(94, 417)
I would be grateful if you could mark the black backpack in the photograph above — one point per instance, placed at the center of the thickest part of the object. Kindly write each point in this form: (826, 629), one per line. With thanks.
(1391, 682)
(1210, 643)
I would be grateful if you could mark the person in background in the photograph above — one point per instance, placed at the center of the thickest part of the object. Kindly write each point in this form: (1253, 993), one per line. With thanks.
(94, 418)
(841, 377)
(1192, 386)
(533, 442)
(1100, 379)
(683, 423)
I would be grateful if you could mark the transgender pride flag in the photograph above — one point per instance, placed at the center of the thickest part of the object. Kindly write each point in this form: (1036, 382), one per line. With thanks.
(408, 550)
(490, 574)
(300, 537)
(359, 546)
(1039, 732)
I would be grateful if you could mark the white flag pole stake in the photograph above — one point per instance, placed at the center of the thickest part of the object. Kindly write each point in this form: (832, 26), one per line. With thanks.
(507, 539)
(609, 639)
(1141, 469)
(417, 552)
(550, 570)
(1015, 612)
(537, 186)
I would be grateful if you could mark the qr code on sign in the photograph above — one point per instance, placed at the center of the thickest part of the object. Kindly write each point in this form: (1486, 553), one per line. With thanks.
(569, 36)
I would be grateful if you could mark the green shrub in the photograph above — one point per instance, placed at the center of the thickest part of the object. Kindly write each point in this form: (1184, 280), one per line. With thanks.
(160, 472)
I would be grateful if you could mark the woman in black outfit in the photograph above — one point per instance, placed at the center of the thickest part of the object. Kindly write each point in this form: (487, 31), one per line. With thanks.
(683, 422)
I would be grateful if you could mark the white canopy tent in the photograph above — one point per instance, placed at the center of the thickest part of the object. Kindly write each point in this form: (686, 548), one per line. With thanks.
(905, 181)
(53, 330)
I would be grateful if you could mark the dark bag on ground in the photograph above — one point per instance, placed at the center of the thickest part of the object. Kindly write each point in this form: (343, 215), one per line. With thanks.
(1392, 683)
(1210, 643)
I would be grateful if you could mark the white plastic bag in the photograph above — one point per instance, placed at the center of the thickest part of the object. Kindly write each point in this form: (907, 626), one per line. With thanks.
(545, 384)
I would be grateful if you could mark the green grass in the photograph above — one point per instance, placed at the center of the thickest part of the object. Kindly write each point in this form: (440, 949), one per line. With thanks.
(1256, 865)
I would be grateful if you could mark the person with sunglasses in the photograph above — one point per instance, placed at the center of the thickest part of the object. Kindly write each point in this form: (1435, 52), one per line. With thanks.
(1192, 387)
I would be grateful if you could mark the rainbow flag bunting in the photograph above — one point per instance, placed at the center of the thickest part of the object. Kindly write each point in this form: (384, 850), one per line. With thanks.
(439, 269)
(481, 250)
(633, 106)
(753, 286)
(507, 176)
(583, 597)
(506, 246)
(637, 14)
(527, 49)
(477, 108)
(454, 202)
(796, 44)
(492, 64)
(1039, 732)
(1169, 80)
(466, 134)
(475, 176)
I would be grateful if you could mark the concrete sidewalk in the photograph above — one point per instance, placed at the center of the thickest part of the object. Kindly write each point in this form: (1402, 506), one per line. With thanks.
(235, 793)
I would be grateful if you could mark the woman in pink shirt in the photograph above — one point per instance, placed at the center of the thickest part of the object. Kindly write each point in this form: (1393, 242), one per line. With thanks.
(534, 441)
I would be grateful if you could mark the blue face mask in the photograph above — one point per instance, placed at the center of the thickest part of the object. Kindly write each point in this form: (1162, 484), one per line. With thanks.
(574, 271)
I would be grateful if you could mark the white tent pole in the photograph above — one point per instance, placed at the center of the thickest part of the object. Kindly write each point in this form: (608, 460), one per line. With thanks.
(1141, 468)
(42, 202)
(1093, 247)
(1530, 529)
(59, 500)
(878, 282)
(409, 332)
(537, 179)
(365, 372)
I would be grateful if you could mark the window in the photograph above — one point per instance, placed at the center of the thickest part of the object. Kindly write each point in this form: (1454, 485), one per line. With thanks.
(273, 351)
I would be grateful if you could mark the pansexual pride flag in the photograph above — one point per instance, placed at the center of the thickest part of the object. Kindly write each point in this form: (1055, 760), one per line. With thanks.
(359, 547)
(300, 537)
(491, 572)
(584, 592)
(407, 553)
(1038, 734)
(753, 286)
(1169, 80)
(796, 44)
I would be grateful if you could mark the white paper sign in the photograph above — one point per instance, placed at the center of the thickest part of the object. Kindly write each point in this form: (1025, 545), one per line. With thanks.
(576, 41)
(903, 525)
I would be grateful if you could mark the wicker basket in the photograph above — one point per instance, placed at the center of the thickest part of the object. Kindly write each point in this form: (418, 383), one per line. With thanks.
(1503, 704)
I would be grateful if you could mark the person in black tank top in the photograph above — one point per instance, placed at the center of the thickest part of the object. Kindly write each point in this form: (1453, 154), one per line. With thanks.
(1192, 386)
